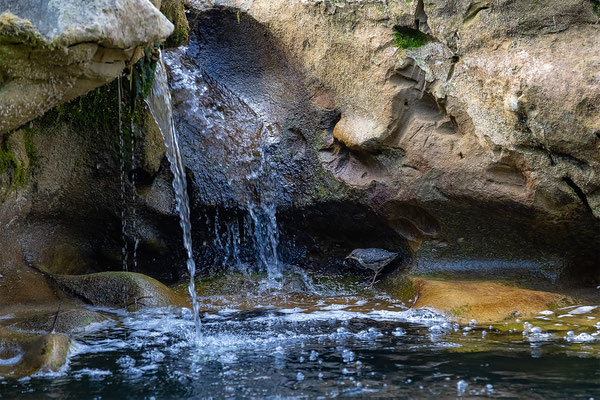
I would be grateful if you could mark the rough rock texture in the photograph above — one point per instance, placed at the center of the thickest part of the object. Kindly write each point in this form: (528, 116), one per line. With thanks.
(53, 51)
(480, 148)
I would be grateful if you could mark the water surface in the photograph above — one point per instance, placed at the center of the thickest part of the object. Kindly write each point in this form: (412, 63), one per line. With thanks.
(300, 343)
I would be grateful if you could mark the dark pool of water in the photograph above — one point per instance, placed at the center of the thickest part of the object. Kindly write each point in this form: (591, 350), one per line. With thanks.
(292, 353)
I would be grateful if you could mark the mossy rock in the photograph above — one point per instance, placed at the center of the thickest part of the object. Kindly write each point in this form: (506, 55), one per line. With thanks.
(24, 354)
(59, 321)
(174, 10)
(399, 286)
(16, 154)
(127, 290)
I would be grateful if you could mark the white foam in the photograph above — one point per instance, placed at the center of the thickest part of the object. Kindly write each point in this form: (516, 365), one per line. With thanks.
(581, 338)
(583, 310)
(92, 373)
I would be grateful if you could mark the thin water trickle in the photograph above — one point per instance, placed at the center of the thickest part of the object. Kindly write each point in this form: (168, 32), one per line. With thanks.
(123, 187)
(136, 241)
(159, 102)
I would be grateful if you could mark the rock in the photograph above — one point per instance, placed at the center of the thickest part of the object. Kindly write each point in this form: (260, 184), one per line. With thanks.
(60, 320)
(478, 147)
(359, 133)
(55, 51)
(25, 354)
(30, 300)
(64, 213)
(119, 290)
(484, 301)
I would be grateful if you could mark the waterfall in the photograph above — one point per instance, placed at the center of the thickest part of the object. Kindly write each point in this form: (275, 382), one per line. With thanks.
(233, 166)
(159, 102)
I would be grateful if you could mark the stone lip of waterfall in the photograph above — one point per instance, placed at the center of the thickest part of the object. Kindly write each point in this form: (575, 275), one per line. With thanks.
(159, 102)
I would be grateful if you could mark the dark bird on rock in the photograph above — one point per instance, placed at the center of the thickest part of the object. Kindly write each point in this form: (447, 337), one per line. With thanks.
(374, 259)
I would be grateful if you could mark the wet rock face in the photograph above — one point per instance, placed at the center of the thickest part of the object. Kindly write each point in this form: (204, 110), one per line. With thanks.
(54, 51)
(244, 114)
(63, 195)
(479, 147)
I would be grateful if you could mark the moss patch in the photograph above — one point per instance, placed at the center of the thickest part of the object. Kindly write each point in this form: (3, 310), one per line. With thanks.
(596, 6)
(399, 287)
(175, 12)
(14, 30)
(142, 76)
(10, 165)
(406, 38)
(95, 111)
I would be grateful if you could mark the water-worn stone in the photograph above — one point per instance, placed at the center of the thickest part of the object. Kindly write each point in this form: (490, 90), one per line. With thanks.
(60, 320)
(119, 290)
(24, 354)
(54, 51)
(484, 301)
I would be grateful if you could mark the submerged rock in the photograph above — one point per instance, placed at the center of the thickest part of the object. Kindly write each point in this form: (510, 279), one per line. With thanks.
(484, 301)
(23, 354)
(52, 52)
(61, 320)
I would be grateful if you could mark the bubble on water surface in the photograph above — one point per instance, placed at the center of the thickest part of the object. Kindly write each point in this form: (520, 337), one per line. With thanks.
(461, 387)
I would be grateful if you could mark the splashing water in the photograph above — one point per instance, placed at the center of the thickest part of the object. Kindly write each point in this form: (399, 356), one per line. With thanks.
(159, 102)
(332, 344)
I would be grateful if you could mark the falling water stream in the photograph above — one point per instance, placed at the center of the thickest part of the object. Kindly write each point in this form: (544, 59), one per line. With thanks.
(136, 240)
(159, 102)
(124, 252)
(236, 157)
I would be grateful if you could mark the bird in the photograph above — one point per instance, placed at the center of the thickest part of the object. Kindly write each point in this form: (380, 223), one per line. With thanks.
(374, 259)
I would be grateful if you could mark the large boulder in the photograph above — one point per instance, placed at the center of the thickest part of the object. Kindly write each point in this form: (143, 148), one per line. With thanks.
(461, 124)
(119, 290)
(54, 51)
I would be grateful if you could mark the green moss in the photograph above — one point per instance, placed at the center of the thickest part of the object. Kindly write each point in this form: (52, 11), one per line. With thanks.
(562, 302)
(142, 76)
(406, 38)
(175, 12)
(14, 30)
(460, 311)
(10, 165)
(97, 113)
(400, 287)
(96, 110)
(30, 147)
(596, 6)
